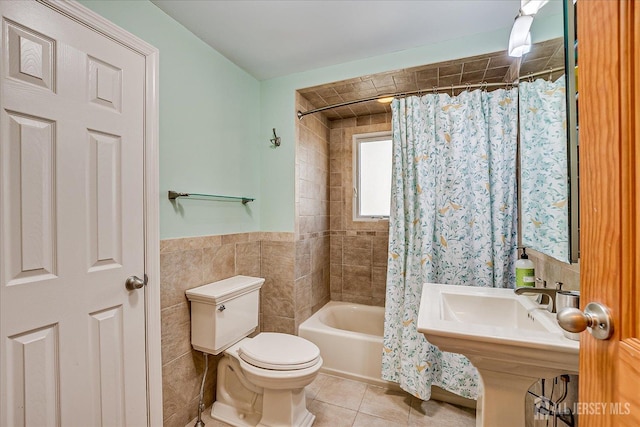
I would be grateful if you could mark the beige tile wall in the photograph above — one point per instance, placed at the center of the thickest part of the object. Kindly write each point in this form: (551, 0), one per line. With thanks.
(358, 253)
(277, 298)
(551, 270)
(311, 264)
(190, 262)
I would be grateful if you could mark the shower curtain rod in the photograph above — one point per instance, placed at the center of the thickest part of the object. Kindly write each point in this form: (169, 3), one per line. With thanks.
(550, 71)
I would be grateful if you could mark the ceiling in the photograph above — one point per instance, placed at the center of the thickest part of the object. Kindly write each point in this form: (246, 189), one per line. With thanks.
(273, 38)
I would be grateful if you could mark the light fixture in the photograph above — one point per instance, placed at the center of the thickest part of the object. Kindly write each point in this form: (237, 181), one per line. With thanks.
(531, 7)
(520, 38)
(385, 100)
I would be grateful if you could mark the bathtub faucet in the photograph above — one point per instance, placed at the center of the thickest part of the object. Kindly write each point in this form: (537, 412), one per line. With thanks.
(550, 294)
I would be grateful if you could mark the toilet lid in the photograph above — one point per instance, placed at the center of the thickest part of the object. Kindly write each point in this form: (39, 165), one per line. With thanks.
(282, 352)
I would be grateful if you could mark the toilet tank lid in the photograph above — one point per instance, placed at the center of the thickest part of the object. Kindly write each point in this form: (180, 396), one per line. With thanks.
(223, 290)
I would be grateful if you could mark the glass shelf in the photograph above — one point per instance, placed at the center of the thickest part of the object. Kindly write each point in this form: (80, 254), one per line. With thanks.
(216, 197)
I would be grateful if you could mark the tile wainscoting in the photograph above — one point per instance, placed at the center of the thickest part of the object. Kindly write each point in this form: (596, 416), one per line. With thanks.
(190, 262)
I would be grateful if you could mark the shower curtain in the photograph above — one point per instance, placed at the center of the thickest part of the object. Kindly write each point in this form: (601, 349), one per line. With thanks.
(543, 168)
(453, 220)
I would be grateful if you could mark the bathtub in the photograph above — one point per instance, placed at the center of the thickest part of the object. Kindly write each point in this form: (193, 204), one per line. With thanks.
(349, 336)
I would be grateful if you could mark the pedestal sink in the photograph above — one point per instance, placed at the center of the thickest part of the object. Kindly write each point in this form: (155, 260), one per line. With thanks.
(509, 338)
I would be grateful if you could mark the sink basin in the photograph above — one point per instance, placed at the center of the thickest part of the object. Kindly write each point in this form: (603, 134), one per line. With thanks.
(499, 311)
(509, 338)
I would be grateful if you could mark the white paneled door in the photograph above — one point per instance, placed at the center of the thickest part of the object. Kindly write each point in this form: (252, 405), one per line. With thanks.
(72, 223)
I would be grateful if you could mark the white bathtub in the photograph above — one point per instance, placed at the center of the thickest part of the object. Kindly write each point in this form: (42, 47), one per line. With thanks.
(350, 340)
(349, 336)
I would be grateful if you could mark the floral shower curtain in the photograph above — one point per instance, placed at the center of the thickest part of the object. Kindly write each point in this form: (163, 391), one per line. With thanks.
(543, 168)
(453, 220)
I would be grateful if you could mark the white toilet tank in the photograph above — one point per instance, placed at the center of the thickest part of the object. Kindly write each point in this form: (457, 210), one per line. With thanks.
(224, 312)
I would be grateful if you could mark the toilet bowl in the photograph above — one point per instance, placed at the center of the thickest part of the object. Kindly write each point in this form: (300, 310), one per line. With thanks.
(258, 390)
(260, 380)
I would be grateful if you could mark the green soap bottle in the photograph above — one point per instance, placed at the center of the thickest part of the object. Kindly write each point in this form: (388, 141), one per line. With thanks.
(525, 274)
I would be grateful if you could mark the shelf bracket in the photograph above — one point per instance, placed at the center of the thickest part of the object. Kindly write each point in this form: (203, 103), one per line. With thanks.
(173, 195)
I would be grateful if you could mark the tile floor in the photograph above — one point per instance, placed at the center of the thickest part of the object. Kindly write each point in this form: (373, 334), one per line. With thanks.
(338, 402)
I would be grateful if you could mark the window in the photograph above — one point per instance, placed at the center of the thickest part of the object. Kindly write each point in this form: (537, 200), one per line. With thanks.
(372, 176)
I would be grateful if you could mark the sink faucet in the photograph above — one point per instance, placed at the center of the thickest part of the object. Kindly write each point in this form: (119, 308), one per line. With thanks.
(549, 293)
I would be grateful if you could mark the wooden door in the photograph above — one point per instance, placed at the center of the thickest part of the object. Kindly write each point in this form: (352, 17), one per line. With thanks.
(609, 106)
(71, 224)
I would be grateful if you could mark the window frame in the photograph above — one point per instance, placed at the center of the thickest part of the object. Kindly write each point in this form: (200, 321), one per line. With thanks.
(358, 140)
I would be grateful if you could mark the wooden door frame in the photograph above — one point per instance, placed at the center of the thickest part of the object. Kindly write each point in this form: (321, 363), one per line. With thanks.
(79, 13)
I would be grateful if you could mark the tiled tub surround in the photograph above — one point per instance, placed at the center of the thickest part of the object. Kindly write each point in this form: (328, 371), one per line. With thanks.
(358, 248)
(312, 269)
(190, 262)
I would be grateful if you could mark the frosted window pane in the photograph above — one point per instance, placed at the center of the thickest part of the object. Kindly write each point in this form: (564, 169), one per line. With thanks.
(375, 178)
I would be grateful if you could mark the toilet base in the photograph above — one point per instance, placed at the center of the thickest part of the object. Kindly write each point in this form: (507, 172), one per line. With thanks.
(284, 408)
(230, 415)
(246, 399)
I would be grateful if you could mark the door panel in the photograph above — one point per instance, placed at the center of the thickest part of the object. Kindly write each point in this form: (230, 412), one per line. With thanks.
(33, 381)
(31, 201)
(104, 201)
(628, 377)
(31, 55)
(71, 219)
(107, 343)
(609, 37)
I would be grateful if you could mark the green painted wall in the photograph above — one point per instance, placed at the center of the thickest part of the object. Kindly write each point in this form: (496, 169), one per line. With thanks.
(216, 120)
(278, 105)
(209, 125)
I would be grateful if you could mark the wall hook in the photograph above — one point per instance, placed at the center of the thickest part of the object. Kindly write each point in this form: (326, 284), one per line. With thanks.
(275, 141)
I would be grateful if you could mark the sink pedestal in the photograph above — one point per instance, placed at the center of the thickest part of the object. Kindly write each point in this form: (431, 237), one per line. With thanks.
(502, 401)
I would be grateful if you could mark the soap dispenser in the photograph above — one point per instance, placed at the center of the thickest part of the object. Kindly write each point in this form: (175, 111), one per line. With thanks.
(525, 274)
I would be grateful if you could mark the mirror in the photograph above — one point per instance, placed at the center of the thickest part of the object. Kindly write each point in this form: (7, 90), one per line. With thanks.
(548, 156)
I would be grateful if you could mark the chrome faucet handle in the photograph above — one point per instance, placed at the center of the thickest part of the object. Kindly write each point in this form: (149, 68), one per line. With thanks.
(544, 299)
(559, 286)
(540, 282)
(550, 293)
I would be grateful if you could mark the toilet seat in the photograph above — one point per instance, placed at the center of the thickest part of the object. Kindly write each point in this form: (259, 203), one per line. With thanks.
(280, 352)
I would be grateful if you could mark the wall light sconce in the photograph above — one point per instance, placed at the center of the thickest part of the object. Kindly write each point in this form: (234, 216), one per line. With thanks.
(531, 7)
(520, 38)
(385, 100)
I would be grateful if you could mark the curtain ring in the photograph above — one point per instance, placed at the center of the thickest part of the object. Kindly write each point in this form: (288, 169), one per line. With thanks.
(550, 74)
(452, 90)
(435, 90)
(467, 87)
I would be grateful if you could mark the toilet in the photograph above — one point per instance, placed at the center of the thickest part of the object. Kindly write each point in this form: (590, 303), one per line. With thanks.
(261, 380)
